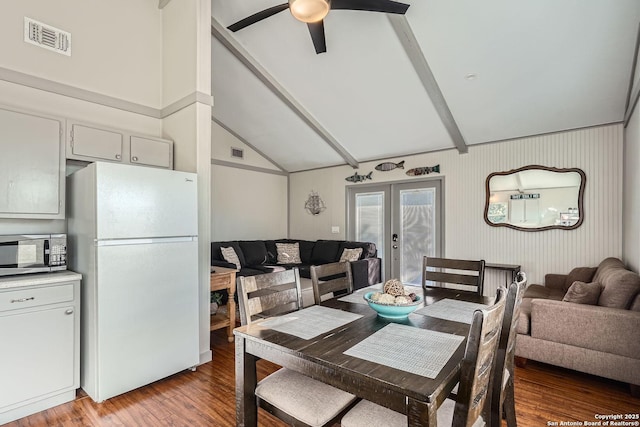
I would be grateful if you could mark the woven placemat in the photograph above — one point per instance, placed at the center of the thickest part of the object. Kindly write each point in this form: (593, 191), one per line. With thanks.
(418, 351)
(451, 309)
(310, 322)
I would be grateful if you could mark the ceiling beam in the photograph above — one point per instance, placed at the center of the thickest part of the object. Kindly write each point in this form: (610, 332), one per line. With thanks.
(410, 44)
(224, 36)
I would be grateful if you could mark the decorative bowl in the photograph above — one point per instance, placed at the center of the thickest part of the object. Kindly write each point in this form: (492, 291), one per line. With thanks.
(392, 311)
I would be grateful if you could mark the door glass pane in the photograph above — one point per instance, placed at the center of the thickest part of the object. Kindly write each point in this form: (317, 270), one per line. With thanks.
(417, 231)
(369, 212)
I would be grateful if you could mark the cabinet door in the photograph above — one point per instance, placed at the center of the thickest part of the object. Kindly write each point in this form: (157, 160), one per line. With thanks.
(37, 356)
(92, 143)
(31, 166)
(151, 152)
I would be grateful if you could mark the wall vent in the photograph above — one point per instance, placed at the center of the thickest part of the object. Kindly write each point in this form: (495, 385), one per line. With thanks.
(47, 37)
(238, 153)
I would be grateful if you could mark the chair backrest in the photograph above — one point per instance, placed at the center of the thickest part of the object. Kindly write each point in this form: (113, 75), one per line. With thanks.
(330, 278)
(445, 271)
(268, 294)
(507, 344)
(472, 400)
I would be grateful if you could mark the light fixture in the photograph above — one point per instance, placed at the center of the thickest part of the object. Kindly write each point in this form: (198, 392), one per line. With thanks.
(309, 10)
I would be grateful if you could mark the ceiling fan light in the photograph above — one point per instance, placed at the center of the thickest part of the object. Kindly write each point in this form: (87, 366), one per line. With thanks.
(309, 10)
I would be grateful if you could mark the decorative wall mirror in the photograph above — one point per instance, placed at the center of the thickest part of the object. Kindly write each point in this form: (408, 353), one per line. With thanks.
(535, 198)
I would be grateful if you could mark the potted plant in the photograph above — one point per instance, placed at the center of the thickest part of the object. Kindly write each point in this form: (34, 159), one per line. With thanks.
(216, 300)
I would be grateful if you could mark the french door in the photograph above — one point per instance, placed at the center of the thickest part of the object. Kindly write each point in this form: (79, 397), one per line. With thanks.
(404, 220)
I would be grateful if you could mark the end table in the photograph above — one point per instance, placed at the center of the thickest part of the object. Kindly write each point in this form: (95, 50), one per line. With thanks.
(224, 278)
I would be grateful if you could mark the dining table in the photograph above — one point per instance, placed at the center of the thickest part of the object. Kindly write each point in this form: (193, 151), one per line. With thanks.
(409, 365)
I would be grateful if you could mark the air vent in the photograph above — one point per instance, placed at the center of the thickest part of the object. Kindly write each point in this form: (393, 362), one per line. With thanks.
(238, 153)
(47, 37)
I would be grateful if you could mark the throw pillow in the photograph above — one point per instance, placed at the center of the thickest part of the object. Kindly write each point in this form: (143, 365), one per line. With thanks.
(619, 288)
(288, 253)
(583, 293)
(579, 274)
(350, 254)
(229, 254)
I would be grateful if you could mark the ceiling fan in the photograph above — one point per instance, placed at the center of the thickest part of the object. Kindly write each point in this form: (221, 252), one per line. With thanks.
(312, 12)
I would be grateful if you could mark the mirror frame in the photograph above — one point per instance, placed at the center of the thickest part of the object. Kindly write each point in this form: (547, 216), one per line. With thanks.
(583, 181)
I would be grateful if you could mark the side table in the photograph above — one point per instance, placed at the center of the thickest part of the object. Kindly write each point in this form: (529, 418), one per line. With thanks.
(224, 278)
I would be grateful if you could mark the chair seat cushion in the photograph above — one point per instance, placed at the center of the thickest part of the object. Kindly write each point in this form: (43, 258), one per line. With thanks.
(368, 414)
(304, 398)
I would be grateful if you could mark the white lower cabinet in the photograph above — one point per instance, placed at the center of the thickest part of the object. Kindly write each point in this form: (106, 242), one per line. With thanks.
(39, 332)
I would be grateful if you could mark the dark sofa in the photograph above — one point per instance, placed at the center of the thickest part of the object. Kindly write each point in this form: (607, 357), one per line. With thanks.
(260, 256)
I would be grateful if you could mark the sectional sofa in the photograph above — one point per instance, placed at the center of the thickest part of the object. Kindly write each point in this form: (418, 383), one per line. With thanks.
(262, 256)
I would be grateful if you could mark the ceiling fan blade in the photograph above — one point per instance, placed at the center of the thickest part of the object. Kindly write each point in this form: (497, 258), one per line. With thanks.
(316, 29)
(256, 17)
(386, 6)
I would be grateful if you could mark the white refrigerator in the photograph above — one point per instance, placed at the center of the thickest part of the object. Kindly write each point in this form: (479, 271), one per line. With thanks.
(132, 233)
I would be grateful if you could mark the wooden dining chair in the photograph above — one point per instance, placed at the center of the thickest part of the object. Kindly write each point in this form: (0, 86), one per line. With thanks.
(471, 407)
(463, 274)
(294, 398)
(328, 279)
(502, 394)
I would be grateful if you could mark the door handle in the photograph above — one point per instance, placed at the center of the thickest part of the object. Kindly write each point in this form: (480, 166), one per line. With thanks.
(395, 246)
(394, 237)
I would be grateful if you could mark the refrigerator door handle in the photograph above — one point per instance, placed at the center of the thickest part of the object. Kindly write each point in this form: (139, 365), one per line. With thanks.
(146, 241)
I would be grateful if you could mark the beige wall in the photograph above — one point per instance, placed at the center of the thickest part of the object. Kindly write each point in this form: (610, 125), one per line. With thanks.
(116, 46)
(249, 196)
(597, 151)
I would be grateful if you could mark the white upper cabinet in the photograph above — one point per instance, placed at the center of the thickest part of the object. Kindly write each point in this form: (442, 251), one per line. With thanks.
(31, 166)
(90, 142)
(151, 151)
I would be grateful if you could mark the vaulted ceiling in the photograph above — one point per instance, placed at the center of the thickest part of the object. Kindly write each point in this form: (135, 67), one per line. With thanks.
(448, 74)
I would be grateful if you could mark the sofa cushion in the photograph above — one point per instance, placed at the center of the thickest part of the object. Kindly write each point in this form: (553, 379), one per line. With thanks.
(306, 249)
(606, 264)
(583, 293)
(619, 287)
(533, 292)
(325, 251)
(368, 249)
(229, 255)
(217, 255)
(635, 306)
(350, 254)
(255, 251)
(288, 253)
(580, 274)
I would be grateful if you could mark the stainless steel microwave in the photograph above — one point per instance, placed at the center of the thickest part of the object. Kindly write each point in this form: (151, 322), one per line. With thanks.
(22, 254)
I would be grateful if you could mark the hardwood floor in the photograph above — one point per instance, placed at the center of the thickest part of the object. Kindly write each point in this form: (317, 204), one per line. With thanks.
(544, 394)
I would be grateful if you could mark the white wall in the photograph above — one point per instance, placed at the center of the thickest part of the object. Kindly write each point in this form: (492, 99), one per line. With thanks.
(249, 197)
(597, 151)
(631, 216)
(247, 204)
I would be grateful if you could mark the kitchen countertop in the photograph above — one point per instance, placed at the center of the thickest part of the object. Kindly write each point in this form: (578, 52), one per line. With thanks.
(35, 279)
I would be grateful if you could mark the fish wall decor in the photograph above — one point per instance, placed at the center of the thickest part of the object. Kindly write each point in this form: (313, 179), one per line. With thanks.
(389, 166)
(423, 170)
(358, 178)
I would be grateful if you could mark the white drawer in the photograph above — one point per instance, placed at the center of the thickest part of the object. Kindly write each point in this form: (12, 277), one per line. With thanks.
(33, 297)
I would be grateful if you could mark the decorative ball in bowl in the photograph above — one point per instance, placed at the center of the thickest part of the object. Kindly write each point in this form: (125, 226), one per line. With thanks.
(388, 308)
